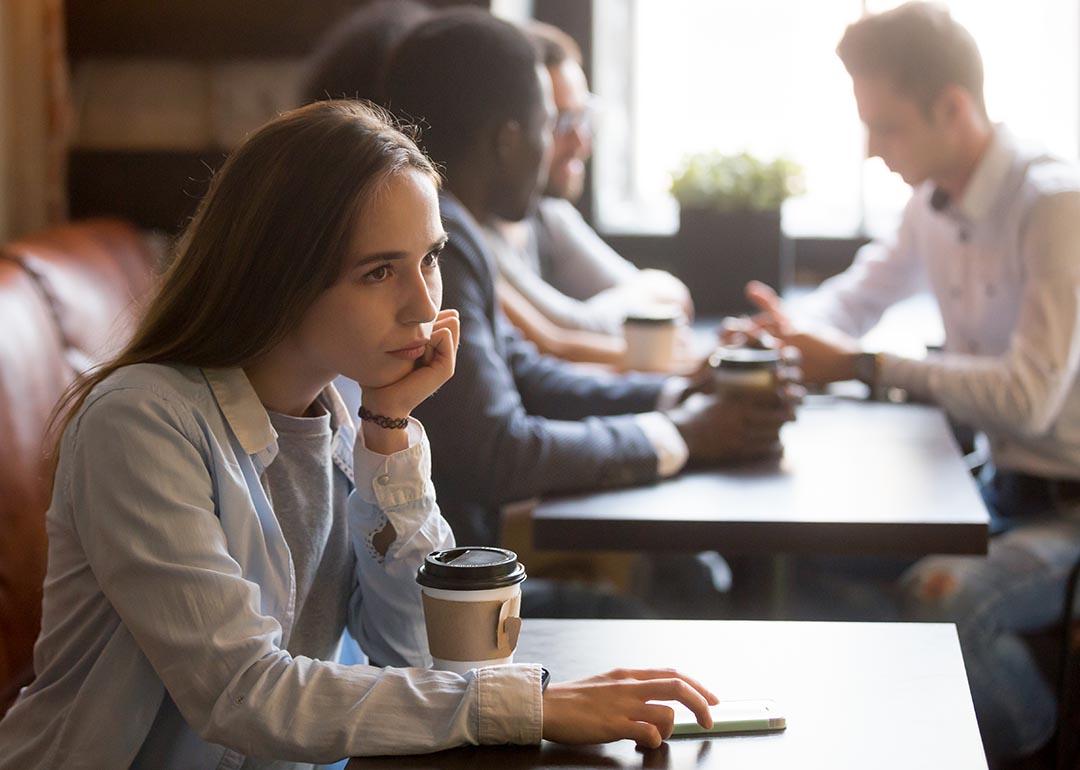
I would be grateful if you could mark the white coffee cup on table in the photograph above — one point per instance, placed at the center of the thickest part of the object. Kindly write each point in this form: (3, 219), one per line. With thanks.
(472, 606)
(651, 335)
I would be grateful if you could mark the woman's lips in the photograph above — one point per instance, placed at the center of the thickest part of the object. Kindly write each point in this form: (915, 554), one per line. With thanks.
(410, 353)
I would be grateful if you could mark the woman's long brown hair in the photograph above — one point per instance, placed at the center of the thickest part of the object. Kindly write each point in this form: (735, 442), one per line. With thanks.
(266, 240)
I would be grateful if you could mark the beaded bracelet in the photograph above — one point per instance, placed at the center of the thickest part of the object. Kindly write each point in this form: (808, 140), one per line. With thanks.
(390, 423)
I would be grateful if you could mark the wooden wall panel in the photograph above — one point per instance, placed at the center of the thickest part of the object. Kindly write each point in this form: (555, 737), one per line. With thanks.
(204, 29)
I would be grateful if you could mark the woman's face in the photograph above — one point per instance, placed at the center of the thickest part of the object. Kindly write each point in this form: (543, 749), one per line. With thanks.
(373, 324)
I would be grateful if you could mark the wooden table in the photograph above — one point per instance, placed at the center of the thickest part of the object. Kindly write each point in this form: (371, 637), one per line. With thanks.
(888, 696)
(857, 477)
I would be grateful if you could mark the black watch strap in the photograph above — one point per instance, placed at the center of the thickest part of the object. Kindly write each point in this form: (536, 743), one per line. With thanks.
(545, 678)
(866, 368)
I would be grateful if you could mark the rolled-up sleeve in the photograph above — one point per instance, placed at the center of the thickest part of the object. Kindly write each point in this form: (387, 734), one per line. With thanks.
(386, 612)
(145, 513)
(881, 275)
(1023, 389)
(386, 615)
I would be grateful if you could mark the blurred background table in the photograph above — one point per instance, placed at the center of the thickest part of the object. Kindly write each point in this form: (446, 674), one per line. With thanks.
(857, 478)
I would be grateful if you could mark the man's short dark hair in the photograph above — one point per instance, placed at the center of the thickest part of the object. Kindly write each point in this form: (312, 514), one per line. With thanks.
(554, 45)
(349, 63)
(459, 73)
(919, 47)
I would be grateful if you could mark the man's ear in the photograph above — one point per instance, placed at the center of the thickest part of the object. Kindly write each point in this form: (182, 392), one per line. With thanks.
(952, 105)
(507, 140)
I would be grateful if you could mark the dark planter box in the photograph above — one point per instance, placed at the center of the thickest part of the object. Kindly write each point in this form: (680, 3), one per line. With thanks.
(719, 251)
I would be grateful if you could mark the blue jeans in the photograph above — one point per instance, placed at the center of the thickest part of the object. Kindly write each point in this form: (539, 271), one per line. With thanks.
(1018, 588)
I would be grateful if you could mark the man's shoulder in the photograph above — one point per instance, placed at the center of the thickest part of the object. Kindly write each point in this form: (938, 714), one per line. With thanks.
(466, 237)
(1047, 175)
(558, 214)
(1039, 173)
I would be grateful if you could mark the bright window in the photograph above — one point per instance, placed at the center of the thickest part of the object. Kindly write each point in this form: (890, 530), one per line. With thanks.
(682, 76)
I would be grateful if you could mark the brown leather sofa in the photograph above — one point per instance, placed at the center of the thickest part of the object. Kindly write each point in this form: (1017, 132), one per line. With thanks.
(68, 297)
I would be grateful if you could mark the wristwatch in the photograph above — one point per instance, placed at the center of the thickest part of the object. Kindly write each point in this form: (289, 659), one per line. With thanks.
(866, 368)
(545, 678)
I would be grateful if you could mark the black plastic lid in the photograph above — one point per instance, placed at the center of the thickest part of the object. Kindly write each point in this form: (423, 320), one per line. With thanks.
(655, 317)
(470, 569)
(744, 358)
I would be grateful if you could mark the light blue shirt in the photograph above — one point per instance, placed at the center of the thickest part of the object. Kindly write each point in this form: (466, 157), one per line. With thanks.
(169, 574)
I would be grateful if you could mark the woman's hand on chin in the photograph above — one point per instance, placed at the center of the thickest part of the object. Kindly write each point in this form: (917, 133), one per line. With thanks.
(435, 367)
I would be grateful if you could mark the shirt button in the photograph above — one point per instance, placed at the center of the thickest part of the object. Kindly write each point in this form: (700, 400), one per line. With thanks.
(383, 480)
(990, 290)
(963, 235)
(955, 292)
(973, 347)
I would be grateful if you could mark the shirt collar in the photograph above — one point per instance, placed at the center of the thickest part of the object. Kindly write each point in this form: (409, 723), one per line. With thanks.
(247, 416)
(986, 182)
(242, 409)
(339, 412)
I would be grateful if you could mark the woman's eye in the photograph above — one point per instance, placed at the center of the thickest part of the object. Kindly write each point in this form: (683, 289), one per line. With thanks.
(379, 274)
(432, 258)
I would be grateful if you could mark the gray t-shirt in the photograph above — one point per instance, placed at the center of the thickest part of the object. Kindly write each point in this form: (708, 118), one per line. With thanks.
(300, 483)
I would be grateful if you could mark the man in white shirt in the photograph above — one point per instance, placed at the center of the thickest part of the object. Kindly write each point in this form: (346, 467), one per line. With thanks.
(554, 258)
(993, 231)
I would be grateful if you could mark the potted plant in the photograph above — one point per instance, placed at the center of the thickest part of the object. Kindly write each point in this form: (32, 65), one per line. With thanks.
(729, 226)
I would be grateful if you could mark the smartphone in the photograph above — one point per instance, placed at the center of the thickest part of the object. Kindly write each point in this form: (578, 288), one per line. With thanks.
(733, 716)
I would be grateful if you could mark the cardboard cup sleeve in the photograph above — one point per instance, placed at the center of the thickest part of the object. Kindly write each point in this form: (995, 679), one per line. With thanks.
(472, 630)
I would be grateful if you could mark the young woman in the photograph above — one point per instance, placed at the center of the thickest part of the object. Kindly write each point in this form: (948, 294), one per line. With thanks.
(218, 522)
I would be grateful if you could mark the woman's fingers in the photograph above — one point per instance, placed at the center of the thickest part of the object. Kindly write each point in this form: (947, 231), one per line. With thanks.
(679, 690)
(444, 351)
(449, 319)
(438, 367)
(454, 324)
(670, 673)
(643, 734)
(662, 717)
(619, 704)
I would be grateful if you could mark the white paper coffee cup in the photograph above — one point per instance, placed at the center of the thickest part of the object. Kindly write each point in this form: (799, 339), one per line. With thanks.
(472, 606)
(650, 339)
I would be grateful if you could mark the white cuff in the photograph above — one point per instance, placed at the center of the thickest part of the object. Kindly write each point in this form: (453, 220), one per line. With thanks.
(509, 704)
(670, 393)
(671, 450)
(391, 480)
(906, 373)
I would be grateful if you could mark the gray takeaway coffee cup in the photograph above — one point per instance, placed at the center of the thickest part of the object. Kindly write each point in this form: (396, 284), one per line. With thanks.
(472, 606)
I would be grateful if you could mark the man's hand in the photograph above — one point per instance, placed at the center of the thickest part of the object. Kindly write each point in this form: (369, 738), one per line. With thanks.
(619, 705)
(789, 372)
(734, 427)
(827, 355)
(663, 287)
(773, 316)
